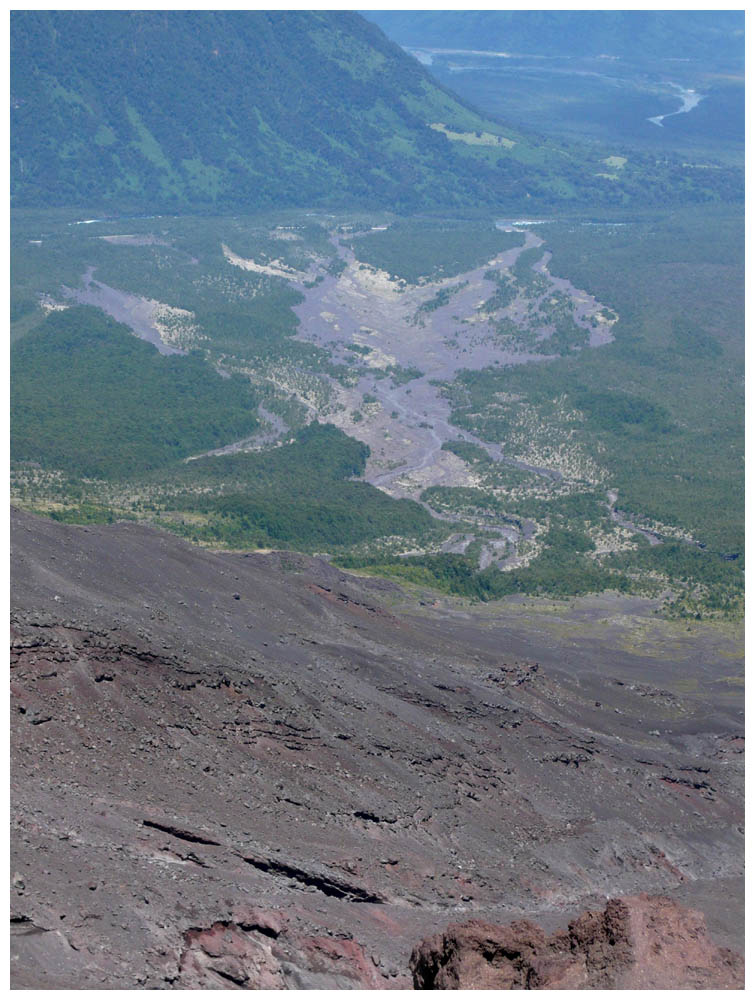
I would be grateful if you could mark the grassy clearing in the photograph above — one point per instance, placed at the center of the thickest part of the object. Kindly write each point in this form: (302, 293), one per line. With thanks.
(474, 138)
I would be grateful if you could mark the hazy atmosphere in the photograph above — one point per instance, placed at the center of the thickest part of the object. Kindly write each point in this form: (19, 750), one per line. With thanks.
(377, 500)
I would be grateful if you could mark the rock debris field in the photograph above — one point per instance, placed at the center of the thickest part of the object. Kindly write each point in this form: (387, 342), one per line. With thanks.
(248, 771)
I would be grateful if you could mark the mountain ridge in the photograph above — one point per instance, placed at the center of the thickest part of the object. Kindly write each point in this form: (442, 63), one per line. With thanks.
(287, 74)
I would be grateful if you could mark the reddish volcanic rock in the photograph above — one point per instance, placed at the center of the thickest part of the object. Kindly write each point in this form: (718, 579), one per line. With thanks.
(225, 956)
(258, 953)
(668, 947)
(341, 957)
(639, 942)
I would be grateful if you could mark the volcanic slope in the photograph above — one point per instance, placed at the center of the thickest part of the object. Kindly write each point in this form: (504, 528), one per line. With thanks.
(243, 771)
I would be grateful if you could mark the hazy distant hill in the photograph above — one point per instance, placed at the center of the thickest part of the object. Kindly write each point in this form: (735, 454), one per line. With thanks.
(715, 38)
(604, 76)
(140, 111)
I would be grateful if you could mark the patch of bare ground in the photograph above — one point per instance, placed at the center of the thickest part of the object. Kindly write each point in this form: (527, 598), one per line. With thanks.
(408, 418)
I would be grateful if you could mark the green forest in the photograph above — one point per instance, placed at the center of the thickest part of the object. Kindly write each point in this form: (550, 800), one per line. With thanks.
(299, 495)
(431, 251)
(89, 398)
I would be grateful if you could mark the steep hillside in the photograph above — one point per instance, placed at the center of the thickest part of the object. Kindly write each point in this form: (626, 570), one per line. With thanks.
(206, 108)
(243, 770)
(161, 111)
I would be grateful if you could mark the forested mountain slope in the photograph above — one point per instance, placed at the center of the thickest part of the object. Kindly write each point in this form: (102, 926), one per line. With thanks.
(149, 111)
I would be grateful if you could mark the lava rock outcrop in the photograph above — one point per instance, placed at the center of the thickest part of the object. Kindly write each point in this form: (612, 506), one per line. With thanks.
(254, 950)
(637, 943)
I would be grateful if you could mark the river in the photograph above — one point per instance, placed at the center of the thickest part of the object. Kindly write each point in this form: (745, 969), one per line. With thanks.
(689, 98)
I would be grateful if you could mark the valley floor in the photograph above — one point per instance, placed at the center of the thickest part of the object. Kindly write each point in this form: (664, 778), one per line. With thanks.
(563, 441)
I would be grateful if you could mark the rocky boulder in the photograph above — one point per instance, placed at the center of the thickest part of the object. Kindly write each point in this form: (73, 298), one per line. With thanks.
(638, 942)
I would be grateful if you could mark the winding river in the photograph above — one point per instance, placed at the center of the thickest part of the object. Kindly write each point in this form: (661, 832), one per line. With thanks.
(689, 98)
